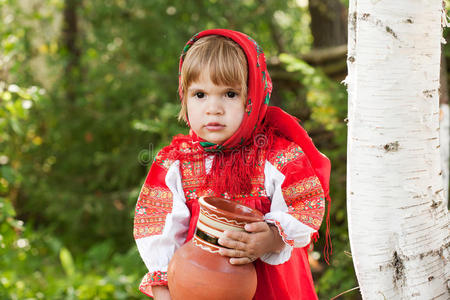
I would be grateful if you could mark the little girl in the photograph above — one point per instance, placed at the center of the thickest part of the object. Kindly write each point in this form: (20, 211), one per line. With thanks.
(240, 149)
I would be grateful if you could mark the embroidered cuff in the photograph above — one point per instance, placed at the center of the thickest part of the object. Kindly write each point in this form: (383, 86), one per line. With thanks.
(278, 258)
(151, 279)
(281, 232)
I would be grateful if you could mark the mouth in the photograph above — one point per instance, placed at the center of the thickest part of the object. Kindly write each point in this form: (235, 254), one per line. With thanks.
(214, 126)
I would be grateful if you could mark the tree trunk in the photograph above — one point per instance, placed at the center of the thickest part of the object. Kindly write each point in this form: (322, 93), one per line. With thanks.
(328, 23)
(329, 30)
(444, 124)
(398, 225)
(70, 35)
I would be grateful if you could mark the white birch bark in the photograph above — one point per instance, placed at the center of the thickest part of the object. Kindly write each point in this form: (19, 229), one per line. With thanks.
(398, 225)
(444, 120)
(444, 136)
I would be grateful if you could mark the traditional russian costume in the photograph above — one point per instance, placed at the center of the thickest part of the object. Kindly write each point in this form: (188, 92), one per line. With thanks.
(269, 164)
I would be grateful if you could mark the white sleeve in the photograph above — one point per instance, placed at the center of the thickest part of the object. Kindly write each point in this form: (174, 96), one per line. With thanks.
(293, 232)
(157, 250)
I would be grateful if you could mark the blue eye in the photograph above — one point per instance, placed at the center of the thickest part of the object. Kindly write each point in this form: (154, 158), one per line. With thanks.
(231, 94)
(200, 95)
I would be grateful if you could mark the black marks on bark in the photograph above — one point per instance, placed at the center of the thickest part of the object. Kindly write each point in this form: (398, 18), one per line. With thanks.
(435, 204)
(353, 19)
(438, 252)
(396, 265)
(440, 190)
(391, 147)
(351, 59)
(377, 22)
(428, 93)
(399, 269)
(365, 17)
(409, 21)
(390, 31)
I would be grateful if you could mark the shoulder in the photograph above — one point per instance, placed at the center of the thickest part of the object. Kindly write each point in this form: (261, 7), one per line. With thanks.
(284, 152)
(180, 145)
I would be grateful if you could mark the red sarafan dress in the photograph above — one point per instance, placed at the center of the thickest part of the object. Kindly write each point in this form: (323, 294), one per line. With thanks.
(286, 178)
(284, 188)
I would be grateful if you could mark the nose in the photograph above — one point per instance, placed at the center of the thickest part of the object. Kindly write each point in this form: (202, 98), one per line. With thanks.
(214, 106)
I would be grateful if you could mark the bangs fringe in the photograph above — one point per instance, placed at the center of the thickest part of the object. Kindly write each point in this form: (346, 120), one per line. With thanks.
(222, 57)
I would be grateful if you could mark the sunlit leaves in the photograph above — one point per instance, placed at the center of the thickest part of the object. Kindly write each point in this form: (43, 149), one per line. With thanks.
(321, 92)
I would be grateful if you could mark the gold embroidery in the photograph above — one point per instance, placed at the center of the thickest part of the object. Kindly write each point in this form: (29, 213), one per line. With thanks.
(153, 205)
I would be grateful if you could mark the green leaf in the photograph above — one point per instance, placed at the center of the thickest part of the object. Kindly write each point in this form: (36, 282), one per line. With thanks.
(67, 261)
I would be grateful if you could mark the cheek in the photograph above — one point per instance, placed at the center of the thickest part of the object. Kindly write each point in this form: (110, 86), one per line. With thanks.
(190, 110)
(238, 115)
(192, 113)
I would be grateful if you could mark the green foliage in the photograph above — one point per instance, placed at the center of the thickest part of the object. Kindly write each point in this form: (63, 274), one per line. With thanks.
(327, 102)
(75, 145)
(35, 265)
(325, 98)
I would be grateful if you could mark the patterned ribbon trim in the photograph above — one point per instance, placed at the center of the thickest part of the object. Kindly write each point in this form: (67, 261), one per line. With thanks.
(208, 238)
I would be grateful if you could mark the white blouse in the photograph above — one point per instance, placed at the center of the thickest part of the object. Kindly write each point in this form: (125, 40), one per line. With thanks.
(157, 250)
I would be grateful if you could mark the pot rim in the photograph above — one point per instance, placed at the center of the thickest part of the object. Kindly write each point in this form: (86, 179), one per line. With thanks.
(258, 217)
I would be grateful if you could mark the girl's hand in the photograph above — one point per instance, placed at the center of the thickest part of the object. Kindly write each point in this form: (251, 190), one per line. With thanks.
(246, 247)
(161, 292)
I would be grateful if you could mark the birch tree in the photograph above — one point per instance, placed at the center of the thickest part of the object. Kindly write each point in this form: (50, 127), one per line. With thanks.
(398, 225)
(444, 124)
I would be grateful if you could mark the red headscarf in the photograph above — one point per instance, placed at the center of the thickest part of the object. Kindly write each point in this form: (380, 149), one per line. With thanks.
(258, 113)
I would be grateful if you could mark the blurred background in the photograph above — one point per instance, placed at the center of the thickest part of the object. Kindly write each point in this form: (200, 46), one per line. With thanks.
(88, 96)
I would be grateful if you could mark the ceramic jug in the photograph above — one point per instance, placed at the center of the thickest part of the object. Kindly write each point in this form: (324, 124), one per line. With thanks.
(198, 271)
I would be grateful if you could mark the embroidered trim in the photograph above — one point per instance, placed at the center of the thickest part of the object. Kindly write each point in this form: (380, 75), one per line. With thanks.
(281, 158)
(281, 232)
(193, 175)
(306, 201)
(205, 245)
(154, 204)
(152, 279)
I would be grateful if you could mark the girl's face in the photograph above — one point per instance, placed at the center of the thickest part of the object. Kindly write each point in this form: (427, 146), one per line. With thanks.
(215, 112)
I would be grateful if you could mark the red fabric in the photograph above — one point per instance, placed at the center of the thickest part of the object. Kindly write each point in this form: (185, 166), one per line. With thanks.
(274, 284)
(261, 124)
(231, 168)
(301, 190)
(291, 280)
(291, 129)
(289, 126)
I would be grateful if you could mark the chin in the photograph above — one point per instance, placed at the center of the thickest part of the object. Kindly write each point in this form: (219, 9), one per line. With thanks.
(214, 140)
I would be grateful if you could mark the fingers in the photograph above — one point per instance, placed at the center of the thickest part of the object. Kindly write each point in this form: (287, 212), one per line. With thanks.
(257, 227)
(232, 243)
(241, 261)
(235, 253)
(241, 236)
(242, 246)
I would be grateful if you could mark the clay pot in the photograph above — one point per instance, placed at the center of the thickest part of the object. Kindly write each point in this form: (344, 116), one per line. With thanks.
(197, 271)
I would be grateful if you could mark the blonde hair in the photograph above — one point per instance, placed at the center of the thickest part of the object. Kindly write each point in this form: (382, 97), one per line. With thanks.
(224, 59)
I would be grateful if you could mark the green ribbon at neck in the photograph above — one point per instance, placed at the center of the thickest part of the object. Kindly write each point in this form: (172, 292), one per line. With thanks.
(211, 147)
